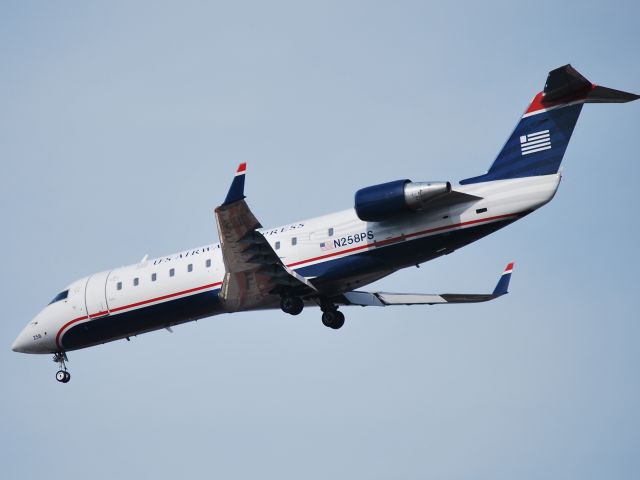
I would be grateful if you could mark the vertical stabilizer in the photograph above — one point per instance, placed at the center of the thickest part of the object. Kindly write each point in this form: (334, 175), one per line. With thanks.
(541, 137)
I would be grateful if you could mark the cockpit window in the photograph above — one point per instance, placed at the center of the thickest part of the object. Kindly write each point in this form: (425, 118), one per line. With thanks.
(60, 296)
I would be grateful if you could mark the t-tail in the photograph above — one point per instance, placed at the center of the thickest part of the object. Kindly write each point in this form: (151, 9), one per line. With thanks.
(538, 143)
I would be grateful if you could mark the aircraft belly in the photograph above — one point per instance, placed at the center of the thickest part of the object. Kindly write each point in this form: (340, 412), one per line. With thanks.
(331, 277)
(133, 322)
(353, 271)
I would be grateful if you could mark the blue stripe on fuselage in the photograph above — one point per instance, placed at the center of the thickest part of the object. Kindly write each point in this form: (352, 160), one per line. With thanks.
(329, 275)
(141, 320)
(401, 254)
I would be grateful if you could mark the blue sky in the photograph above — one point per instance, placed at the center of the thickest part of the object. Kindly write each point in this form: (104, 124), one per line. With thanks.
(120, 129)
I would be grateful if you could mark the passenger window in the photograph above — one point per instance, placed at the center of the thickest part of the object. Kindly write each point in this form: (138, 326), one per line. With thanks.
(278, 245)
(190, 267)
(119, 286)
(331, 232)
(208, 262)
(172, 272)
(294, 241)
(154, 276)
(136, 281)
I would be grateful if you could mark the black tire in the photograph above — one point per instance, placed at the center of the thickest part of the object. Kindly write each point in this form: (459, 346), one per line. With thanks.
(67, 377)
(327, 318)
(333, 319)
(61, 376)
(291, 305)
(338, 321)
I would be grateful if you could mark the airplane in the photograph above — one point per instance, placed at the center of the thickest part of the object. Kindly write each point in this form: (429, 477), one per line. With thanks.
(324, 261)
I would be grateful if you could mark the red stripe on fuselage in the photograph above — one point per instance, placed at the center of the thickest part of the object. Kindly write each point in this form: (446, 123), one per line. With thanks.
(137, 304)
(376, 244)
(382, 243)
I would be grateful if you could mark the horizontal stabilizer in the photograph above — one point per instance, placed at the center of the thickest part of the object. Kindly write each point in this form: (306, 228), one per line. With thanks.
(564, 82)
(567, 84)
(609, 95)
(384, 299)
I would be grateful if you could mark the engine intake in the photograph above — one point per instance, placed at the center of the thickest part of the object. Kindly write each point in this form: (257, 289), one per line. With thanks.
(381, 202)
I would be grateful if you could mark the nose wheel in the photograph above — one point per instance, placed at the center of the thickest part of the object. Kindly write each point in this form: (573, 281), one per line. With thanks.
(62, 375)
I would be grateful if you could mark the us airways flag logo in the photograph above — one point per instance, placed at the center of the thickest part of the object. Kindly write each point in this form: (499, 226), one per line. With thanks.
(535, 142)
(324, 246)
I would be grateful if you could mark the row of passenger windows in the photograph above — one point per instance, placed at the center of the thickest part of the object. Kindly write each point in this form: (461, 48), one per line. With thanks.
(154, 275)
(172, 271)
(294, 240)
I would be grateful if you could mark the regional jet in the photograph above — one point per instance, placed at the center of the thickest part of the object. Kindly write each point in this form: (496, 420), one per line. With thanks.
(324, 262)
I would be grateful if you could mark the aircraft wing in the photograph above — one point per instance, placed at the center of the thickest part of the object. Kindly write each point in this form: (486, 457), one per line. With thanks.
(253, 270)
(384, 299)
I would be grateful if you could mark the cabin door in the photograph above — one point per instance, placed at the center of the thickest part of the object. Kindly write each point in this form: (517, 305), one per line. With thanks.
(96, 294)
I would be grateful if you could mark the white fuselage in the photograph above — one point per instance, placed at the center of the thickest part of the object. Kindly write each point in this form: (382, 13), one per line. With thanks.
(177, 288)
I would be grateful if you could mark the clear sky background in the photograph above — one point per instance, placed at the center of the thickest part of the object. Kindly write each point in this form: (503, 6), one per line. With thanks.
(121, 124)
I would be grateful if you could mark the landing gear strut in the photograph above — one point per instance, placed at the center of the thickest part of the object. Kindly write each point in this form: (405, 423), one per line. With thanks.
(291, 305)
(332, 317)
(62, 375)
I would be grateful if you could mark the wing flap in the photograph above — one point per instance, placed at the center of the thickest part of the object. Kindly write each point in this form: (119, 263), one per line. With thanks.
(254, 274)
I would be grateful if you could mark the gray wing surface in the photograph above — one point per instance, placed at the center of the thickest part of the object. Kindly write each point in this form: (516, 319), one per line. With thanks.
(385, 299)
(254, 274)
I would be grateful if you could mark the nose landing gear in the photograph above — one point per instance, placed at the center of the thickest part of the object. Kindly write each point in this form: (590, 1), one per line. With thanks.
(62, 375)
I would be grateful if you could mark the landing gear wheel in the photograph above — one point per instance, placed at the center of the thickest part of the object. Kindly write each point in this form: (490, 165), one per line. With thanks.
(62, 375)
(291, 305)
(338, 321)
(333, 319)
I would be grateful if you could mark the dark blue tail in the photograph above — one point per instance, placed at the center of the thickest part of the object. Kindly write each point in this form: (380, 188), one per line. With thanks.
(538, 143)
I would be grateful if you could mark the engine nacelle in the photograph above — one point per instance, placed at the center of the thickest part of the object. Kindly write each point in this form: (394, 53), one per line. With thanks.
(381, 202)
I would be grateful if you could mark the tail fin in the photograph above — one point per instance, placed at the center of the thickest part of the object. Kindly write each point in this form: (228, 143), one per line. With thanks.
(538, 143)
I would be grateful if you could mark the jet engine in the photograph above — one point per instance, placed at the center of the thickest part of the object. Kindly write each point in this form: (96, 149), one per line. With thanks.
(381, 202)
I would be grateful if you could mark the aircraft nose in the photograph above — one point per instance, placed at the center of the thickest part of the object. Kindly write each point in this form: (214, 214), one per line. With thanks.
(18, 345)
(22, 343)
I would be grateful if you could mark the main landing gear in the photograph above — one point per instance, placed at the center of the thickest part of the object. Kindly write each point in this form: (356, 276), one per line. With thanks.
(63, 376)
(291, 305)
(332, 318)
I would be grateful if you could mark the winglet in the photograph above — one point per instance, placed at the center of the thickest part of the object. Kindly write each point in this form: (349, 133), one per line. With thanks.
(236, 191)
(503, 284)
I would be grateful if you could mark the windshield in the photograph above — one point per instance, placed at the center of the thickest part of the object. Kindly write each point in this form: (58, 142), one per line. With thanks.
(60, 296)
